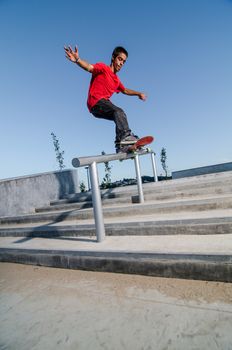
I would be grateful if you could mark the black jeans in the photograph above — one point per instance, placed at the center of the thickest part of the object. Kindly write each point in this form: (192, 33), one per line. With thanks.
(105, 109)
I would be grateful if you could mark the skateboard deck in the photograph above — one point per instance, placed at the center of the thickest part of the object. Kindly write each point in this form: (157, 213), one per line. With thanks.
(143, 141)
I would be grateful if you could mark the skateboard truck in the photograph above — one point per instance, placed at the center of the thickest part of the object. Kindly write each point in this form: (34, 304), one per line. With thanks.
(139, 144)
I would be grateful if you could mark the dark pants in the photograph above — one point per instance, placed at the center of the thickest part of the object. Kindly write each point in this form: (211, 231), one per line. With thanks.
(107, 110)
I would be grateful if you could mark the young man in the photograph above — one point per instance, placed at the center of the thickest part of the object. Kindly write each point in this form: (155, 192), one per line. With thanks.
(103, 84)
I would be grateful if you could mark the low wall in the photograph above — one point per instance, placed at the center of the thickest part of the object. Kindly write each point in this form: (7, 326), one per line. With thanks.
(217, 168)
(22, 195)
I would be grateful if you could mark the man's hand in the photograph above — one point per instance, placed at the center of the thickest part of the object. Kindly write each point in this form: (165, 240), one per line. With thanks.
(142, 96)
(70, 54)
(74, 57)
(130, 92)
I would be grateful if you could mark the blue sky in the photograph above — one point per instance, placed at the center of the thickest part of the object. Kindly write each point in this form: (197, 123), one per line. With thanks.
(180, 54)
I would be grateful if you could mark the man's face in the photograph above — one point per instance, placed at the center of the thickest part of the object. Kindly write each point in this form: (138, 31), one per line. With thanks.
(119, 61)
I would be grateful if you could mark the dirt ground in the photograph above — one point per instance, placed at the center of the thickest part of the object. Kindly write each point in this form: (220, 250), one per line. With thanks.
(47, 308)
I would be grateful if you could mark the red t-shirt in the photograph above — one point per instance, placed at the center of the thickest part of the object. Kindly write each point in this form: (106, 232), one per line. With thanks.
(103, 84)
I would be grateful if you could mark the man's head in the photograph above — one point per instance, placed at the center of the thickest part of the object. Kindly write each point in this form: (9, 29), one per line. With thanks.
(119, 57)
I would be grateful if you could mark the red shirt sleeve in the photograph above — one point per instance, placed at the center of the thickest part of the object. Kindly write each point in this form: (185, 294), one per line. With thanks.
(98, 68)
(120, 88)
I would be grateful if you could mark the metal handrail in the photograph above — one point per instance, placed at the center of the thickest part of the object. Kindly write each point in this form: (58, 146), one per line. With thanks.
(96, 196)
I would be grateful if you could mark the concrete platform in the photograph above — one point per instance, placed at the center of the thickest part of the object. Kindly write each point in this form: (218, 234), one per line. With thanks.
(200, 257)
(57, 309)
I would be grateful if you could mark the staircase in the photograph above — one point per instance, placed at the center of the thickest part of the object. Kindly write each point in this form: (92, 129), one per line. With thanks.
(184, 230)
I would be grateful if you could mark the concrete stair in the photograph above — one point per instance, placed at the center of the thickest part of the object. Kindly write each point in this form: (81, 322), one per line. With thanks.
(196, 209)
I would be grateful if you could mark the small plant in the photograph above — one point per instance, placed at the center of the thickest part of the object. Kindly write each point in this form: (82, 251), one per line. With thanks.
(82, 187)
(163, 159)
(59, 153)
(106, 182)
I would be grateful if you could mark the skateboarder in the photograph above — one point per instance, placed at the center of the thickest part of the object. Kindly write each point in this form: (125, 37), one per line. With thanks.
(103, 84)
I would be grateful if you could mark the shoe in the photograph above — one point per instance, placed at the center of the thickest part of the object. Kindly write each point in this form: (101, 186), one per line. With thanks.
(129, 140)
(118, 150)
(136, 136)
(122, 149)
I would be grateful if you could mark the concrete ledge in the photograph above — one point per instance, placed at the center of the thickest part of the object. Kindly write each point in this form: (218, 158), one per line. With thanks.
(207, 226)
(187, 266)
(223, 202)
(210, 169)
(22, 195)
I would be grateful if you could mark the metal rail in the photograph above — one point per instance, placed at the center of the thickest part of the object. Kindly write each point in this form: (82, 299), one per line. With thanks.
(96, 196)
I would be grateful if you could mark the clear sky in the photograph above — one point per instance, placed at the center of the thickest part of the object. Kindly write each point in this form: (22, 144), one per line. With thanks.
(180, 55)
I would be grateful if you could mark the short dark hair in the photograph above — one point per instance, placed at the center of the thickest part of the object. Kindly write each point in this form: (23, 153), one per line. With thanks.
(118, 50)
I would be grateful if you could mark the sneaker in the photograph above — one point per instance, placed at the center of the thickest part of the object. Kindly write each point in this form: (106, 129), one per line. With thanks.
(136, 136)
(122, 149)
(118, 150)
(129, 140)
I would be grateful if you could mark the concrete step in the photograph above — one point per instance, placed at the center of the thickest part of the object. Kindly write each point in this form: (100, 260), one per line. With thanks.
(211, 222)
(189, 257)
(207, 185)
(149, 196)
(86, 197)
(172, 195)
(66, 205)
(164, 188)
(128, 197)
(183, 205)
(147, 208)
(210, 182)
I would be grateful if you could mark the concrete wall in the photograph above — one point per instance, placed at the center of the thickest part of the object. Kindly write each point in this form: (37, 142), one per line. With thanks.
(217, 168)
(22, 195)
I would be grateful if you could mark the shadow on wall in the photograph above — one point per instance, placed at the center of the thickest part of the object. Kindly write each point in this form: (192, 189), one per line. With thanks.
(67, 183)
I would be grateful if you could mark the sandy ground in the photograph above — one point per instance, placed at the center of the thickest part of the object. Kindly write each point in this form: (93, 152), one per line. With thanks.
(47, 308)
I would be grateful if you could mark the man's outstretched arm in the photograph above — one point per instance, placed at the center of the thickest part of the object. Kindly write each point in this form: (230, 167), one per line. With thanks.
(73, 56)
(130, 92)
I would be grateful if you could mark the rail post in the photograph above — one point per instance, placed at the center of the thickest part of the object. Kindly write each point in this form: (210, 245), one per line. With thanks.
(139, 180)
(154, 166)
(97, 204)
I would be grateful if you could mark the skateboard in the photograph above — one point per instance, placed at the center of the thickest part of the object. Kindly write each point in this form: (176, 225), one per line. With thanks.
(144, 141)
